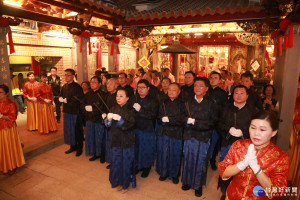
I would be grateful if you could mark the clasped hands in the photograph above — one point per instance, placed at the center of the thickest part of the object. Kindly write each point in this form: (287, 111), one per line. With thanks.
(250, 160)
(62, 100)
(32, 98)
(235, 132)
(113, 116)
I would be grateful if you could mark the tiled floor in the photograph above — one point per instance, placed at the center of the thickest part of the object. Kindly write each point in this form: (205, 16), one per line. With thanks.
(35, 142)
(56, 175)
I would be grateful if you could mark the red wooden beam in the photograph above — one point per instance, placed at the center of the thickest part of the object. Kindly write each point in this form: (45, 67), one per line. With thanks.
(27, 14)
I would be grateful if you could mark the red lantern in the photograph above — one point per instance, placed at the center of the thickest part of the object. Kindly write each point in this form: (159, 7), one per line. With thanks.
(274, 34)
(284, 24)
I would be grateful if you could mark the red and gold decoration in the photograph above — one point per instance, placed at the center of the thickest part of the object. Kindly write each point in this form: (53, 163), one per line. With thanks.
(137, 32)
(86, 35)
(144, 62)
(4, 22)
(117, 41)
(247, 38)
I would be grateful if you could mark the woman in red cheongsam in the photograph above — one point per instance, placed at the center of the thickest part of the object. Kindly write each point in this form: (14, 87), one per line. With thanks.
(46, 118)
(11, 154)
(258, 167)
(31, 92)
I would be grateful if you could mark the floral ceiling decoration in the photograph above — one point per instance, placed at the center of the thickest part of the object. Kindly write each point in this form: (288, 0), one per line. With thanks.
(137, 32)
(247, 38)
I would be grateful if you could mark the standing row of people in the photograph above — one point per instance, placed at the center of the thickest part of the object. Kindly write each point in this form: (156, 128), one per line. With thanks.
(40, 115)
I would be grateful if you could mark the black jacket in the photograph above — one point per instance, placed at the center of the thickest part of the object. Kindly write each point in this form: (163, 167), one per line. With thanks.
(187, 92)
(206, 116)
(129, 89)
(175, 111)
(231, 116)
(145, 118)
(123, 135)
(153, 91)
(219, 95)
(91, 98)
(162, 96)
(111, 99)
(70, 91)
(55, 85)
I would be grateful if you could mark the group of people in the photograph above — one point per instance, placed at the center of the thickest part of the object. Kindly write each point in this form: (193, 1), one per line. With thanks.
(173, 127)
(134, 128)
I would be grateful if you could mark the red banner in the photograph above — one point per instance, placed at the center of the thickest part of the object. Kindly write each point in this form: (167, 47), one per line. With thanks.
(4, 23)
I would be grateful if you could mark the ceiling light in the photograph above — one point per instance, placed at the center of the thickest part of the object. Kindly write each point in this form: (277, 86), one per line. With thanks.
(73, 13)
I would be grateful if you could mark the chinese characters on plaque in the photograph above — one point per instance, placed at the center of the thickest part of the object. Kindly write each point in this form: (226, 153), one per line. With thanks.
(4, 63)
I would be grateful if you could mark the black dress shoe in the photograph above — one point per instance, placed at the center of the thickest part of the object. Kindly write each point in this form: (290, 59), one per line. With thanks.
(108, 166)
(102, 159)
(69, 151)
(136, 170)
(213, 165)
(145, 172)
(162, 178)
(93, 158)
(186, 187)
(175, 180)
(198, 193)
(78, 153)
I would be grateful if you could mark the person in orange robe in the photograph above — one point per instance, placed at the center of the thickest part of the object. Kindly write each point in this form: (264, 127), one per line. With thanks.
(47, 121)
(259, 168)
(31, 92)
(11, 154)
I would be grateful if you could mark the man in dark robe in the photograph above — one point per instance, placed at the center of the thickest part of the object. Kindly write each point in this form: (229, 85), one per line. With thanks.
(71, 94)
(146, 107)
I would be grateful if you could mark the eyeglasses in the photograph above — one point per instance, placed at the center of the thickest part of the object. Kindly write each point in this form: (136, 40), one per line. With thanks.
(141, 87)
(68, 75)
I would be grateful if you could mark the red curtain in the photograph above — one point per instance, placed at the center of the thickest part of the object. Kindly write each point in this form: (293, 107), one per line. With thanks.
(99, 56)
(117, 62)
(33, 65)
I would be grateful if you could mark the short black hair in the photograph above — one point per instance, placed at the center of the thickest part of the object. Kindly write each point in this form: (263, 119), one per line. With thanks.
(98, 73)
(125, 90)
(5, 88)
(266, 86)
(174, 83)
(217, 73)
(165, 69)
(29, 73)
(124, 74)
(44, 74)
(98, 79)
(190, 72)
(203, 79)
(155, 72)
(145, 82)
(72, 71)
(241, 86)
(270, 116)
(53, 68)
(86, 82)
(167, 79)
(141, 70)
(247, 75)
(225, 71)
